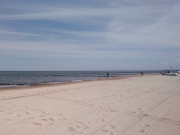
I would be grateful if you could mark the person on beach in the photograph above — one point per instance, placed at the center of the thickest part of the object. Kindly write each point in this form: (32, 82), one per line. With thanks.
(107, 74)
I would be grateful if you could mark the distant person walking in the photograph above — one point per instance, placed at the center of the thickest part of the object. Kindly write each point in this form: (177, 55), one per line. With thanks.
(107, 74)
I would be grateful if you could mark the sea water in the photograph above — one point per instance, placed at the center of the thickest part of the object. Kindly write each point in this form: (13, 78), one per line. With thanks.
(24, 78)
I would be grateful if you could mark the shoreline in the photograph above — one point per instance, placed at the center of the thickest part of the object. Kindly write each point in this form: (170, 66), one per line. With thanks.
(11, 80)
(41, 85)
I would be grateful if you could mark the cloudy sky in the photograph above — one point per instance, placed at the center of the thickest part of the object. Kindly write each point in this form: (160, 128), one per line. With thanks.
(89, 34)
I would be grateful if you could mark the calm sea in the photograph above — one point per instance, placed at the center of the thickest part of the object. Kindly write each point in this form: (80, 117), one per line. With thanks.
(24, 78)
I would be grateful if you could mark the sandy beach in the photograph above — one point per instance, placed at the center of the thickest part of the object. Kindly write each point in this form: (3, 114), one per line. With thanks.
(140, 105)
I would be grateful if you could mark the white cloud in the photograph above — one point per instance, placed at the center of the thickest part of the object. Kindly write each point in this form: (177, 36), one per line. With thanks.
(6, 32)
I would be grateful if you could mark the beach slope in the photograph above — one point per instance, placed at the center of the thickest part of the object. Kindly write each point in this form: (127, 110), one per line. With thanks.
(141, 105)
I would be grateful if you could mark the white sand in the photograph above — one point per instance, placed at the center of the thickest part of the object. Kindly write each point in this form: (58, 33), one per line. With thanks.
(142, 105)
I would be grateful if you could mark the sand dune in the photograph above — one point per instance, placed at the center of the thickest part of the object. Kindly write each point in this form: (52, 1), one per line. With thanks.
(142, 105)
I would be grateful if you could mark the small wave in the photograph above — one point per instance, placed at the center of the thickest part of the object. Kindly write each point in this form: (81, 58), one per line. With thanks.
(7, 86)
(76, 80)
(54, 82)
(12, 85)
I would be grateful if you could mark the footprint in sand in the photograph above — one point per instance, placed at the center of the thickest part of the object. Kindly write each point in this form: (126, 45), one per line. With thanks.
(51, 123)
(51, 119)
(144, 115)
(44, 119)
(78, 122)
(36, 123)
(165, 119)
(60, 115)
(113, 110)
(142, 131)
(105, 131)
(8, 119)
(72, 129)
(77, 126)
(18, 115)
(102, 120)
(112, 126)
(85, 127)
(147, 125)
(64, 118)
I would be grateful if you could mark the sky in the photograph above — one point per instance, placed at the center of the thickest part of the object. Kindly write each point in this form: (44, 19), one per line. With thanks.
(65, 35)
